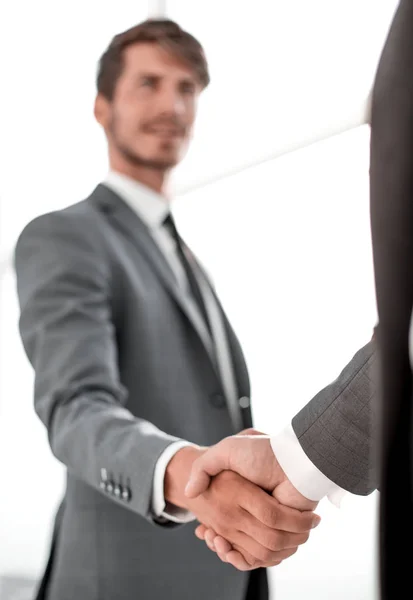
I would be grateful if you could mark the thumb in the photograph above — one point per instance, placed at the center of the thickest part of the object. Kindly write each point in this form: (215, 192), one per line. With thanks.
(250, 431)
(203, 468)
(198, 484)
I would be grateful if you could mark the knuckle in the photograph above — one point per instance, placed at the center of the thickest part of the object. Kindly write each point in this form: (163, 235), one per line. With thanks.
(288, 552)
(253, 562)
(274, 541)
(263, 555)
(223, 529)
(303, 527)
(292, 540)
(303, 538)
(225, 513)
(226, 477)
(268, 556)
(246, 557)
(270, 515)
(275, 563)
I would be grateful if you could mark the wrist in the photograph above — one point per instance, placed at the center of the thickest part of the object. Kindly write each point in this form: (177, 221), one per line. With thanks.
(177, 475)
(288, 495)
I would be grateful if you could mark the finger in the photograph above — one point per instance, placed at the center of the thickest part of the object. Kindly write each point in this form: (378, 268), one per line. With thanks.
(261, 555)
(250, 431)
(236, 559)
(210, 546)
(211, 463)
(272, 539)
(241, 559)
(200, 532)
(222, 545)
(255, 434)
(222, 556)
(210, 535)
(277, 516)
(219, 544)
(250, 560)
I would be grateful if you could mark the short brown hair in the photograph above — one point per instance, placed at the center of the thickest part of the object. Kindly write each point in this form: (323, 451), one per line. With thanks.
(164, 32)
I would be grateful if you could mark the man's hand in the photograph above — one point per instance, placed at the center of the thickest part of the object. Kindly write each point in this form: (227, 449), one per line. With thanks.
(250, 456)
(263, 469)
(242, 513)
(237, 555)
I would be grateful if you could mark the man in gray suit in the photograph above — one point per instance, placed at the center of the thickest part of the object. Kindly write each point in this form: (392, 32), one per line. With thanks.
(136, 365)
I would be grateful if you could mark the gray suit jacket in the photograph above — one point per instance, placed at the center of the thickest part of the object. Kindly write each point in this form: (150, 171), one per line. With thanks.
(120, 373)
(337, 428)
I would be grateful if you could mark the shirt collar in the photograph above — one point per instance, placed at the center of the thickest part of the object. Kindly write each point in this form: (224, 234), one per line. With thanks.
(150, 206)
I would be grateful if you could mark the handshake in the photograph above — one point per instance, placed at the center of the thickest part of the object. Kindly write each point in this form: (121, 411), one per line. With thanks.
(249, 512)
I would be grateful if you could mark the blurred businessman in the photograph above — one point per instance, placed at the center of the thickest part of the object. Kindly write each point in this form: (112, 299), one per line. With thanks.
(134, 357)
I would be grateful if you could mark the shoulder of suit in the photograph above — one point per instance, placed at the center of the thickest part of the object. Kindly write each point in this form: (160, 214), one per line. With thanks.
(79, 218)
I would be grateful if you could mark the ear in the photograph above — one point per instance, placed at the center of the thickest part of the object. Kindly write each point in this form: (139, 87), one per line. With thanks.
(101, 110)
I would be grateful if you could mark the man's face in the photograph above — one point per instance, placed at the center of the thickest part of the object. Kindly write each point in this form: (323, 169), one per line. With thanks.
(150, 120)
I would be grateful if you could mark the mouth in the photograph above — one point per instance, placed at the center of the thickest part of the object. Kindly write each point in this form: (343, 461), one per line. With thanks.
(166, 132)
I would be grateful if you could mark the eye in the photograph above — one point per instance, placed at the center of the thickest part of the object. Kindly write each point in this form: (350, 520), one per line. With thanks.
(188, 89)
(149, 82)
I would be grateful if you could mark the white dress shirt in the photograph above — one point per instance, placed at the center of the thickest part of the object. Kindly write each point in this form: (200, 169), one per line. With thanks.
(303, 473)
(152, 208)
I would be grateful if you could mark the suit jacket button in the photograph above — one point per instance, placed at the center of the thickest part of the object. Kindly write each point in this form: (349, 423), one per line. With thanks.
(244, 402)
(110, 484)
(218, 400)
(103, 480)
(126, 494)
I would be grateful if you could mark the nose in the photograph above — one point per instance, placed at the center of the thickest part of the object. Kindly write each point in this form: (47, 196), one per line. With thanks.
(170, 100)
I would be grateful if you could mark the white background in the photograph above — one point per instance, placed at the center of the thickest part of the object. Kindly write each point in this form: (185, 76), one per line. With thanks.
(287, 242)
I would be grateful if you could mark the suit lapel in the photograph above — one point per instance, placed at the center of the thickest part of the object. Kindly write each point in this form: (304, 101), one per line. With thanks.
(129, 223)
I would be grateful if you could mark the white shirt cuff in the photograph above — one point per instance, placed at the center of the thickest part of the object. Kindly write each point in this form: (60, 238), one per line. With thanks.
(159, 506)
(302, 473)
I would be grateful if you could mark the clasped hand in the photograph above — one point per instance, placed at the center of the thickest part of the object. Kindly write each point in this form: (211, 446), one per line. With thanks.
(250, 513)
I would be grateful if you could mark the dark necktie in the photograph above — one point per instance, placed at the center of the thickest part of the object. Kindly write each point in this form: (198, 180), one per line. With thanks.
(169, 223)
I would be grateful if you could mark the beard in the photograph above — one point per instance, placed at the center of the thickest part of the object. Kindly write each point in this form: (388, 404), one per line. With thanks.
(133, 156)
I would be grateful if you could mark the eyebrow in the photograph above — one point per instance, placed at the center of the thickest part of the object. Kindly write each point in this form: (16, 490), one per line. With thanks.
(157, 76)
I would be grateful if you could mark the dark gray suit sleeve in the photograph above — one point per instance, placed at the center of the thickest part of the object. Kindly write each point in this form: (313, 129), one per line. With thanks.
(336, 429)
(64, 291)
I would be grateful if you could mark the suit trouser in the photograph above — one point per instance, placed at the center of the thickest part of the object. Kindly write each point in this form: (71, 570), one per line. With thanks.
(391, 203)
(258, 585)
